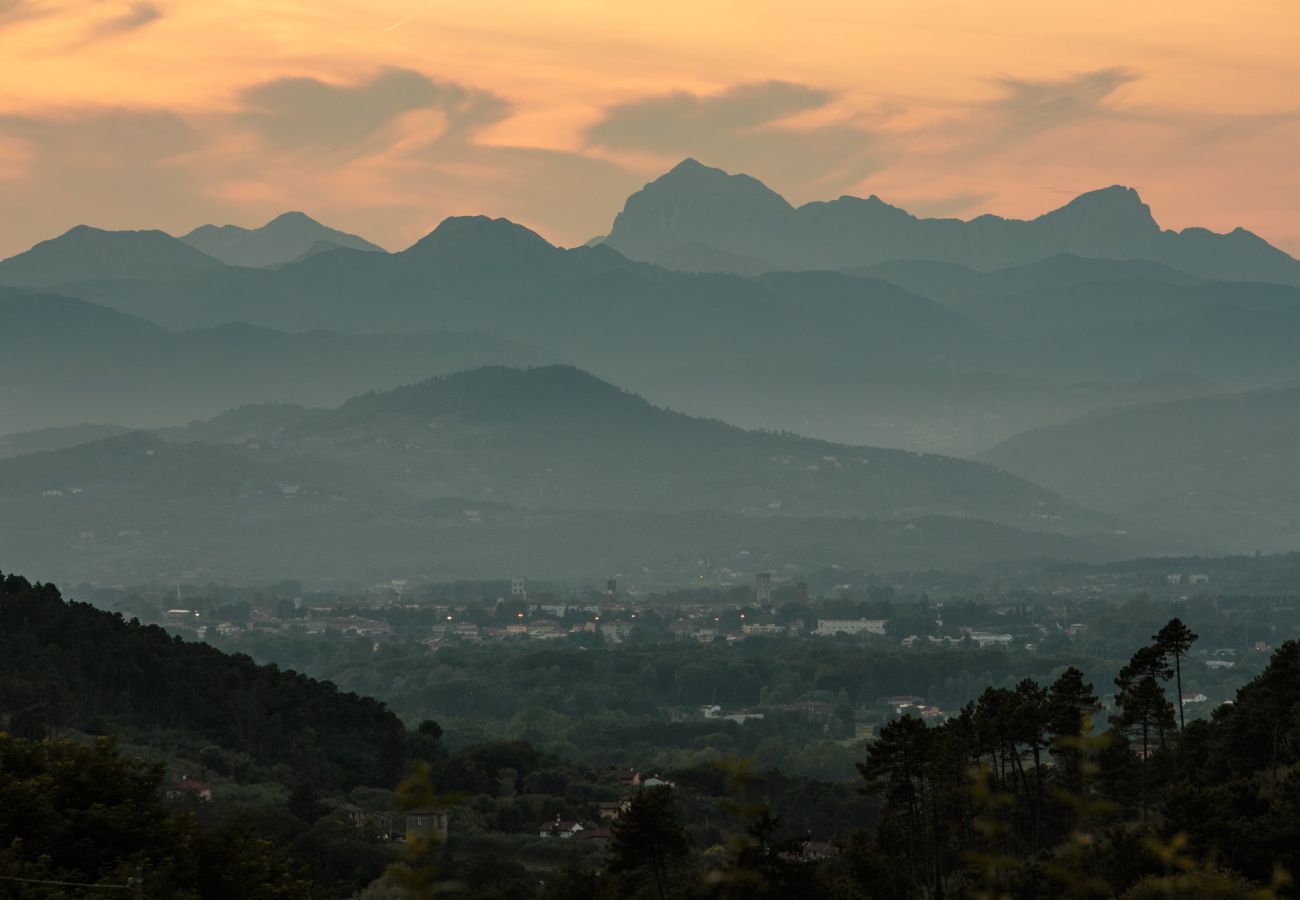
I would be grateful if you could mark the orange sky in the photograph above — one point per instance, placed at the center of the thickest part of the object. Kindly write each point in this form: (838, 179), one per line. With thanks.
(383, 117)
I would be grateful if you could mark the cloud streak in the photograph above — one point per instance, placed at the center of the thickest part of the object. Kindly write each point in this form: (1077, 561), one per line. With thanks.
(137, 15)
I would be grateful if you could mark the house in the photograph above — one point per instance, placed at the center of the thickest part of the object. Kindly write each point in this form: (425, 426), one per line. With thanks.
(189, 787)
(629, 777)
(612, 809)
(429, 823)
(559, 829)
(656, 781)
(817, 710)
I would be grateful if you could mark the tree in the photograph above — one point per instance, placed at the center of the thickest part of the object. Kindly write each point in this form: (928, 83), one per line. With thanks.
(1143, 707)
(1070, 700)
(1175, 639)
(648, 836)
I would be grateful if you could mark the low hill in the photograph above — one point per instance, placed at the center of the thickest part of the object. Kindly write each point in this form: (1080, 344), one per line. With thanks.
(86, 253)
(1222, 469)
(557, 437)
(285, 238)
(113, 513)
(546, 469)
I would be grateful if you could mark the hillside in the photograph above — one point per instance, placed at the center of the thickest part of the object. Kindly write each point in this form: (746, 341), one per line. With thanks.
(285, 238)
(65, 361)
(1221, 468)
(736, 214)
(98, 671)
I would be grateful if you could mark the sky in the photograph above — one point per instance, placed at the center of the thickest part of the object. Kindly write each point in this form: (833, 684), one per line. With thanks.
(385, 116)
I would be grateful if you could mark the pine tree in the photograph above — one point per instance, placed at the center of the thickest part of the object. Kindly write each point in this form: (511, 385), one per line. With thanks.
(1175, 639)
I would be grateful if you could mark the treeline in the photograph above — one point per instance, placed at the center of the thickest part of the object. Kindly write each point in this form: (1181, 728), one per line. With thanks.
(69, 665)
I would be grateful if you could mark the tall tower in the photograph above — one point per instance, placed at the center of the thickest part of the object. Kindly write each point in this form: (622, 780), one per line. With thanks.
(763, 588)
(611, 589)
(519, 588)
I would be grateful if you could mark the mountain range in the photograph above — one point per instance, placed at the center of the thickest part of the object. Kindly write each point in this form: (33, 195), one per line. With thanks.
(737, 215)
(1071, 350)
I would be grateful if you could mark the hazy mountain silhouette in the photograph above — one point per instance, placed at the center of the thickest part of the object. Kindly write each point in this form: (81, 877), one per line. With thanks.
(698, 257)
(737, 214)
(612, 315)
(64, 361)
(951, 283)
(1222, 469)
(113, 510)
(557, 437)
(1086, 305)
(25, 442)
(86, 253)
(285, 238)
(547, 468)
(928, 411)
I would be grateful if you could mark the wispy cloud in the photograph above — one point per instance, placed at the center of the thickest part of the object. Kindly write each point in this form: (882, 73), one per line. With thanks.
(1029, 106)
(310, 114)
(135, 16)
(15, 11)
(747, 126)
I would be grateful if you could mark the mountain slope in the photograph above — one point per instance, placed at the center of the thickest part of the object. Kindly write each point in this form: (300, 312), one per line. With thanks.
(738, 215)
(285, 238)
(86, 253)
(1222, 468)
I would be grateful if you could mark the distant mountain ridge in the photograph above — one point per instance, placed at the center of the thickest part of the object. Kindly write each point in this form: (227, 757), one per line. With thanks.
(285, 238)
(84, 254)
(739, 215)
(64, 361)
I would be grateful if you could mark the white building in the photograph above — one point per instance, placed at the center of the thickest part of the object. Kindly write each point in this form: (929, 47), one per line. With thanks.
(828, 627)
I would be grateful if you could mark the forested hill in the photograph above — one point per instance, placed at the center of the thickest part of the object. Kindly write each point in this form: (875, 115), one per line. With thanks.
(65, 664)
